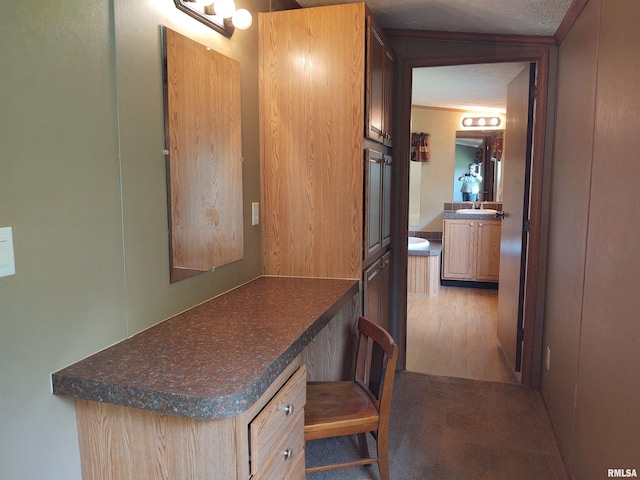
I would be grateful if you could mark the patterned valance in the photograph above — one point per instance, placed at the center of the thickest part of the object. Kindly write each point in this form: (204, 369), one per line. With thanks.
(420, 147)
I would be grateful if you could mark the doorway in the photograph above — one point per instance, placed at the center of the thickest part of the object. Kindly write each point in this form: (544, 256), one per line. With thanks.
(453, 332)
(530, 361)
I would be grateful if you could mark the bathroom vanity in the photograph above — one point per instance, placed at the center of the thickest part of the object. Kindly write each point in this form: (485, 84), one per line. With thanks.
(217, 391)
(471, 246)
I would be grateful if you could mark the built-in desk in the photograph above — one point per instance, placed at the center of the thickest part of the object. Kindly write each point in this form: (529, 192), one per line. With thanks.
(196, 395)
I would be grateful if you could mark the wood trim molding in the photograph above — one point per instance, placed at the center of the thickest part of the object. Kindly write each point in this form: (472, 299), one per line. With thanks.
(462, 37)
(535, 221)
(524, 54)
(569, 19)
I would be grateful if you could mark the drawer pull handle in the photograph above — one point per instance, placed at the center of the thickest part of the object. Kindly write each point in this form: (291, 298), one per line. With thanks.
(288, 453)
(288, 410)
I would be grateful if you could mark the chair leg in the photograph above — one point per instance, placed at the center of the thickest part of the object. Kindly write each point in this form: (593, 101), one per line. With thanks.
(364, 447)
(383, 457)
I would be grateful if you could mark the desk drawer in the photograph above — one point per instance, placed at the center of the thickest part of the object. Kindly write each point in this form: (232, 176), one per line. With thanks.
(287, 460)
(280, 425)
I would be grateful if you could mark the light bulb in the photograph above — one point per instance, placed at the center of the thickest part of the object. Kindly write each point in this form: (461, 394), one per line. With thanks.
(224, 8)
(242, 19)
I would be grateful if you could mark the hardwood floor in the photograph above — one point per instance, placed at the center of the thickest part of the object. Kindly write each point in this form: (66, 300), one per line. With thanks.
(453, 334)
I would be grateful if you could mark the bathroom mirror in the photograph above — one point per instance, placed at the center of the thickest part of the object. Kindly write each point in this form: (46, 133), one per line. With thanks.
(484, 148)
(203, 148)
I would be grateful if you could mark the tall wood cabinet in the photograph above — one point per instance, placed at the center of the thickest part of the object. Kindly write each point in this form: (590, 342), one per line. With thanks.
(325, 186)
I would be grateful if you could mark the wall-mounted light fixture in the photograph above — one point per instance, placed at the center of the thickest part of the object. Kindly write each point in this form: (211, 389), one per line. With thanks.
(221, 15)
(481, 122)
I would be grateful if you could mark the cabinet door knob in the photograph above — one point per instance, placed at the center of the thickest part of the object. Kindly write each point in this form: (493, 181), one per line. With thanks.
(471, 224)
(288, 453)
(288, 410)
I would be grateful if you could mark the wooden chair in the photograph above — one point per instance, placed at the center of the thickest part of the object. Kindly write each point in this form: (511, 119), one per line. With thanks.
(353, 407)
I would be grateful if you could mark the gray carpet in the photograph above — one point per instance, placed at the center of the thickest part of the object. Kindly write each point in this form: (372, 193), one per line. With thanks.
(456, 429)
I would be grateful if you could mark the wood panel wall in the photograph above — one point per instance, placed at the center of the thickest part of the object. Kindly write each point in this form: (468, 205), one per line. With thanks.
(312, 125)
(591, 315)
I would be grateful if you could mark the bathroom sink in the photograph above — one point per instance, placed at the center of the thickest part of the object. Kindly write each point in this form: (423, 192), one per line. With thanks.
(480, 211)
(415, 243)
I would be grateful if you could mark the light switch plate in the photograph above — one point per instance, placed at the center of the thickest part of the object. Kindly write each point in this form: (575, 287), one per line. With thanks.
(7, 261)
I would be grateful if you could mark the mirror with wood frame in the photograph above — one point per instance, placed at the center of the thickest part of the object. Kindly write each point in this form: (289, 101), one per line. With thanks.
(203, 147)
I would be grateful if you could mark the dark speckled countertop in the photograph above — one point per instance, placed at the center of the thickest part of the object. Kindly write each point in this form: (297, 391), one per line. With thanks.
(216, 359)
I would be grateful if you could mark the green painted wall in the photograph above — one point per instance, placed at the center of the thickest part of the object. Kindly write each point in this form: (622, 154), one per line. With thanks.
(82, 183)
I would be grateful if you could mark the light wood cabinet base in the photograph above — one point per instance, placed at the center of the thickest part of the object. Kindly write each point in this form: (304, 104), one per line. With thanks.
(423, 275)
(132, 444)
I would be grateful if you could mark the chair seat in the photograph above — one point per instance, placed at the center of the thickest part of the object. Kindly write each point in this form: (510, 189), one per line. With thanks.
(338, 408)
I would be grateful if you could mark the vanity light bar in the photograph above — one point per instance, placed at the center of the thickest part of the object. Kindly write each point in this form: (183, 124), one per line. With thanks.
(481, 121)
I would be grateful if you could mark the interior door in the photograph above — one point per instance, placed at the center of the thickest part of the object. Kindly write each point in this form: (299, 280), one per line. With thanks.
(513, 242)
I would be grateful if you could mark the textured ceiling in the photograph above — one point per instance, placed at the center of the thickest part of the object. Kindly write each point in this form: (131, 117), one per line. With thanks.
(467, 86)
(512, 17)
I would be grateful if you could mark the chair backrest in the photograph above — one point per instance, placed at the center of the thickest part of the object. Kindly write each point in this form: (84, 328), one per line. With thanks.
(376, 358)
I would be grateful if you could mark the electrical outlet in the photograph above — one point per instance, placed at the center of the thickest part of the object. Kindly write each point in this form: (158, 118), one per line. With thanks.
(255, 213)
(547, 360)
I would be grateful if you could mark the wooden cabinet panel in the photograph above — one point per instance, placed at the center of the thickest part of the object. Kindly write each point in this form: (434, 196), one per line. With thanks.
(133, 443)
(122, 442)
(423, 275)
(377, 291)
(387, 195)
(488, 251)
(375, 79)
(471, 250)
(274, 429)
(378, 176)
(371, 292)
(386, 280)
(373, 203)
(389, 96)
(324, 213)
(288, 460)
(380, 85)
(458, 249)
(311, 106)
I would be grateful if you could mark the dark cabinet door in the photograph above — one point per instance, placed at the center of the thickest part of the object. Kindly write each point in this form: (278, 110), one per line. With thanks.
(377, 291)
(373, 201)
(375, 82)
(388, 97)
(386, 200)
(384, 294)
(371, 292)
(377, 202)
(380, 86)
